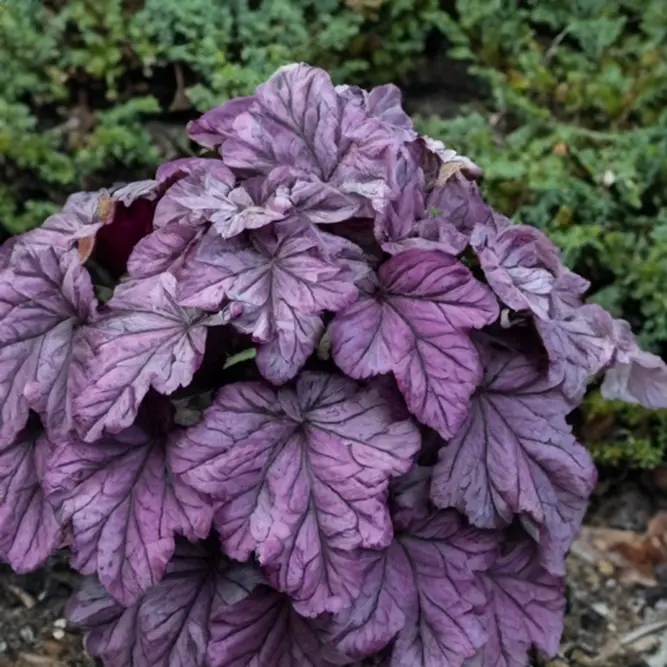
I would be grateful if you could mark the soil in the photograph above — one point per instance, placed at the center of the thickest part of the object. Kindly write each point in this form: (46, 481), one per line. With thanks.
(33, 630)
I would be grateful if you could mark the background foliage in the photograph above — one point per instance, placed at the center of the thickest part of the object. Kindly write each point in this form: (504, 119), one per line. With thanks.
(561, 101)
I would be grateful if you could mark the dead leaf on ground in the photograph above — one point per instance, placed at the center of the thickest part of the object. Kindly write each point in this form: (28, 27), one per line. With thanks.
(635, 557)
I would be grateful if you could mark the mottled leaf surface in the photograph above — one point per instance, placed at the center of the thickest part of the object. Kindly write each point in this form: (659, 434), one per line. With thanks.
(125, 506)
(415, 322)
(264, 631)
(634, 376)
(422, 591)
(521, 265)
(525, 608)
(170, 626)
(302, 475)
(580, 343)
(281, 278)
(29, 529)
(44, 298)
(516, 456)
(144, 339)
(297, 119)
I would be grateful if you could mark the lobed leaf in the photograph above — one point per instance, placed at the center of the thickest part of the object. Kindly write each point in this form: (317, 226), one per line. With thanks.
(415, 322)
(302, 476)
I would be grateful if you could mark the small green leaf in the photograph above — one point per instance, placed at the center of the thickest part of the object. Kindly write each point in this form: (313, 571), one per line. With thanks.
(239, 357)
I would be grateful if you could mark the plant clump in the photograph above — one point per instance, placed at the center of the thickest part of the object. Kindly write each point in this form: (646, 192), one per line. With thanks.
(302, 400)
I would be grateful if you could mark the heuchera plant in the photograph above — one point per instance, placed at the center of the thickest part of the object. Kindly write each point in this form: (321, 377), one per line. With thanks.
(302, 401)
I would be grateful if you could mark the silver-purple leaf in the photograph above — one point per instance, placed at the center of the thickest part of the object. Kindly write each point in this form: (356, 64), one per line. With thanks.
(144, 339)
(193, 199)
(45, 297)
(376, 615)
(453, 209)
(410, 496)
(442, 628)
(82, 216)
(525, 608)
(580, 343)
(209, 195)
(303, 476)
(170, 172)
(264, 631)
(281, 359)
(516, 456)
(282, 279)
(634, 376)
(319, 202)
(422, 592)
(213, 127)
(29, 529)
(165, 249)
(170, 626)
(385, 104)
(521, 265)
(296, 119)
(416, 324)
(125, 506)
(442, 219)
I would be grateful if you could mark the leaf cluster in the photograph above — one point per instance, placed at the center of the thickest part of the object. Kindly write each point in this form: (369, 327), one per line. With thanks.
(571, 130)
(94, 92)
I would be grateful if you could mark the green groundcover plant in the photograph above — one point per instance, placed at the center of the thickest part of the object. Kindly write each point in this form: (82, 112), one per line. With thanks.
(94, 91)
(569, 123)
(302, 401)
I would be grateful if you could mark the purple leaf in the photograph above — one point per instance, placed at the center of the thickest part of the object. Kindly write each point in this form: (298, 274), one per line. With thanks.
(440, 163)
(410, 495)
(444, 220)
(111, 222)
(195, 198)
(144, 339)
(276, 270)
(282, 358)
(170, 626)
(6, 250)
(165, 249)
(525, 608)
(264, 631)
(516, 456)
(521, 265)
(452, 211)
(385, 104)
(44, 298)
(376, 615)
(29, 530)
(568, 290)
(416, 325)
(82, 216)
(421, 590)
(181, 217)
(580, 343)
(169, 172)
(397, 220)
(125, 506)
(216, 125)
(319, 202)
(298, 120)
(442, 629)
(209, 195)
(634, 376)
(282, 280)
(303, 478)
